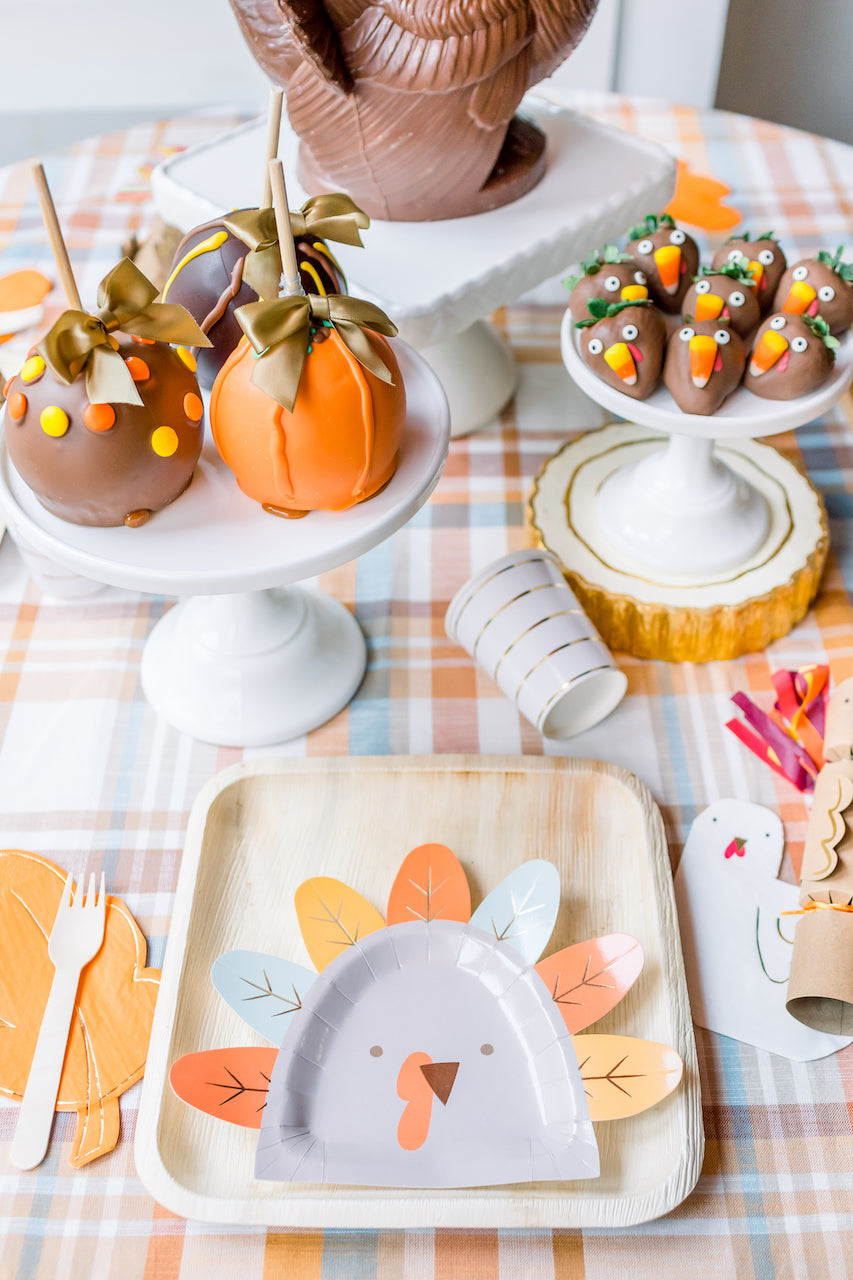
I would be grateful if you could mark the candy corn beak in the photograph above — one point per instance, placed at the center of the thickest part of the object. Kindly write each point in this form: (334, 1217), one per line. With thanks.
(756, 270)
(668, 263)
(634, 292)
(800, 297)
(703, 354)
(708, 306)
(770, 349)
(622, 362)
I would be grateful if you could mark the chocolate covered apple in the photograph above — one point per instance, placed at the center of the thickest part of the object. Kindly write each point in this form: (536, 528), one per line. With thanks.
(667, 256)
(704, 363)
(623, 343)
(105, 426)
(765, 263)
(791, 356)
(233, 260)
(823, 284)
(610, 275)
(725, 293)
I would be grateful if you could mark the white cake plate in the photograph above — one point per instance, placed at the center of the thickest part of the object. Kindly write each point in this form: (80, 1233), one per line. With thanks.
(438, 280)
(250, 659)
(682, 509)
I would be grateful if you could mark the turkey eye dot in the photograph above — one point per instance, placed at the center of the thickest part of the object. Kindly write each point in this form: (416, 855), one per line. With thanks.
(487, 1049)
(736, 299)
(611, 284)
(677, 237)
(376, 1051)
(766, 257)
(800, 273)
(799, 344)
(778, 322)
(645, 246)
(826, 294)
(703, 286)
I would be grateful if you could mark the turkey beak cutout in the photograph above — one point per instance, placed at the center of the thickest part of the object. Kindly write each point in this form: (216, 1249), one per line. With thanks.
(418, 1082)
(736, 848)
(800, 298)
(703, 357)
(668, 263)
(709, 306)
(770, 349)
(622, 362)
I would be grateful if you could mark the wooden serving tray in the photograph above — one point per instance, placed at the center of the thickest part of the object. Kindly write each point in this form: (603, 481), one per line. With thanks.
(258, 830)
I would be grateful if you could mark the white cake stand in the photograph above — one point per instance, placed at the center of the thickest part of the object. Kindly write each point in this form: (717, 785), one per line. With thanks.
(439, 280)
(250, 659)
(686, 549)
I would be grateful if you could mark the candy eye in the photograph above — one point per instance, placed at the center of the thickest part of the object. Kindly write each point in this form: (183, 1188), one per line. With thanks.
(703, 286)
(686, 334)
(645, 246)
(778, 322)
(722, 336)
(734, 255)
(612, 283)
(826, 294)
(630, 332)
(799, 344)
(677, 237)
(640, 277)
(736, 299)
(801, 273)
(766, 257)
(595, 347)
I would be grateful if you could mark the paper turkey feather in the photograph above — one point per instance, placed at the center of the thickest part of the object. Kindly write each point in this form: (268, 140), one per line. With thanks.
(522, 910)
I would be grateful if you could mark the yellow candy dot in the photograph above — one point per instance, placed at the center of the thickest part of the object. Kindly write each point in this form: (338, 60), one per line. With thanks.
(187, 357)
(54, 421)
(33, 368)
(164, 441)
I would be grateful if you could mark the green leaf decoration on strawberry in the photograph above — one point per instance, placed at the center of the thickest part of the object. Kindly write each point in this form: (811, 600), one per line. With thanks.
(842, 269)
(612, 253)
(570, 281)
(650, 225)
(737, 269)
(745, 235)
(600, 310)
(820, 328)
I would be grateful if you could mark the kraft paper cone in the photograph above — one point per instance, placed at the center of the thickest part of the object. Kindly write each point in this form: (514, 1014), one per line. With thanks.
(820, 988)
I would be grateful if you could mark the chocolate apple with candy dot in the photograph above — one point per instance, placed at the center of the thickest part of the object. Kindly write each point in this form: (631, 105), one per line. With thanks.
(792, 355)
(668, 257)
(623, 342)
(765, 263)
(610, 275)
(727, 293)
(822, 285)
(704, 362)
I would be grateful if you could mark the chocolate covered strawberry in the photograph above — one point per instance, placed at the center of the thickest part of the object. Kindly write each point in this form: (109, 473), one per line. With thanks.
(668, 257)
(704, 363)
(610, 275)
(821, 285)
(623, 343)
(765, 263)
(792, 356)
(725, 293)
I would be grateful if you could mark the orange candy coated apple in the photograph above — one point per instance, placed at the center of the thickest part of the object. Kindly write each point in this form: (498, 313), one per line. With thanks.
(338, 446)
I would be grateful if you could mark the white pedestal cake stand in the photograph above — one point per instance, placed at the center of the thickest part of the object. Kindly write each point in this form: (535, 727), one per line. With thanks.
(438, 280)
(686, 550)
(250, 659)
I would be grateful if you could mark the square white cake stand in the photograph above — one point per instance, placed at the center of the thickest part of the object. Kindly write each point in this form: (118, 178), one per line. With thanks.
(438, 280)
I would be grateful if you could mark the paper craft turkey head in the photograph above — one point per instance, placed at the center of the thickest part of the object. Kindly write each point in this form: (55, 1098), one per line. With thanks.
(667, 256)
(611, 276)
(433, 1050)
(765, 259)
(623, 342)
(410, 108)
(791, 356)
(823, 284)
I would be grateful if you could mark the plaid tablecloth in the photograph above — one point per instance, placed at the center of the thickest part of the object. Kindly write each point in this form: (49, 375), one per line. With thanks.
(90, 775)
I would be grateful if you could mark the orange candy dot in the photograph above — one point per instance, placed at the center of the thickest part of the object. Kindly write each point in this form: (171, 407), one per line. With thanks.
(137, 368)
(145, 342)
(193, 406)
(99, 417)
(17, 405)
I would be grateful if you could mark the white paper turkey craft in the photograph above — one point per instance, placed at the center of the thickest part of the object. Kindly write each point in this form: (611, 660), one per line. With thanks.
(432, 1048)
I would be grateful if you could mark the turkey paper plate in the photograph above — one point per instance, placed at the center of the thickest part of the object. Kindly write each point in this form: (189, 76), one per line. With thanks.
(432, 1048)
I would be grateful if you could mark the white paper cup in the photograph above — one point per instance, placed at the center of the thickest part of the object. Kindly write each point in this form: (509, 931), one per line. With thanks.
(521, 622)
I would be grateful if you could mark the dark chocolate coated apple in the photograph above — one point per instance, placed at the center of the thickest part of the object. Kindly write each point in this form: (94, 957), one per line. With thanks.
(765, 262)
(726, 294)
(791, 356)
(704, 362)
(624, 344)
(610, 275)
(820, 285)
(667, 256)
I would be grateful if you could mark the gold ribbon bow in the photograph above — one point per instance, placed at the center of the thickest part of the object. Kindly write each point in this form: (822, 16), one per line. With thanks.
(81, 341)
(280, 334)
(331, 217)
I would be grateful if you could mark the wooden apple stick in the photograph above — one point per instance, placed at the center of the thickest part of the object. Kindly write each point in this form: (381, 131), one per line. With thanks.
(271, 149)
(290, 282)
(60, 253)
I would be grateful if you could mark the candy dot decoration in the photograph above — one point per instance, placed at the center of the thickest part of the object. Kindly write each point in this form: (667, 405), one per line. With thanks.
(32, 369)
(99, 417)
(137, 369)
(16, 405)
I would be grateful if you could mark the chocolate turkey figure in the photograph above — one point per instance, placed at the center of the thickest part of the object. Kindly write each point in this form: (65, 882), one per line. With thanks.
(704, 363)
(792, 356)
(668, 256)
(610, 275)
(823, 284)
(410, 108)
(624, 344)
(765, 259)
(727, 293)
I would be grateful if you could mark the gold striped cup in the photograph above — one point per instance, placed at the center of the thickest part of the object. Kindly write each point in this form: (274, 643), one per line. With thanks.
(521, 622)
